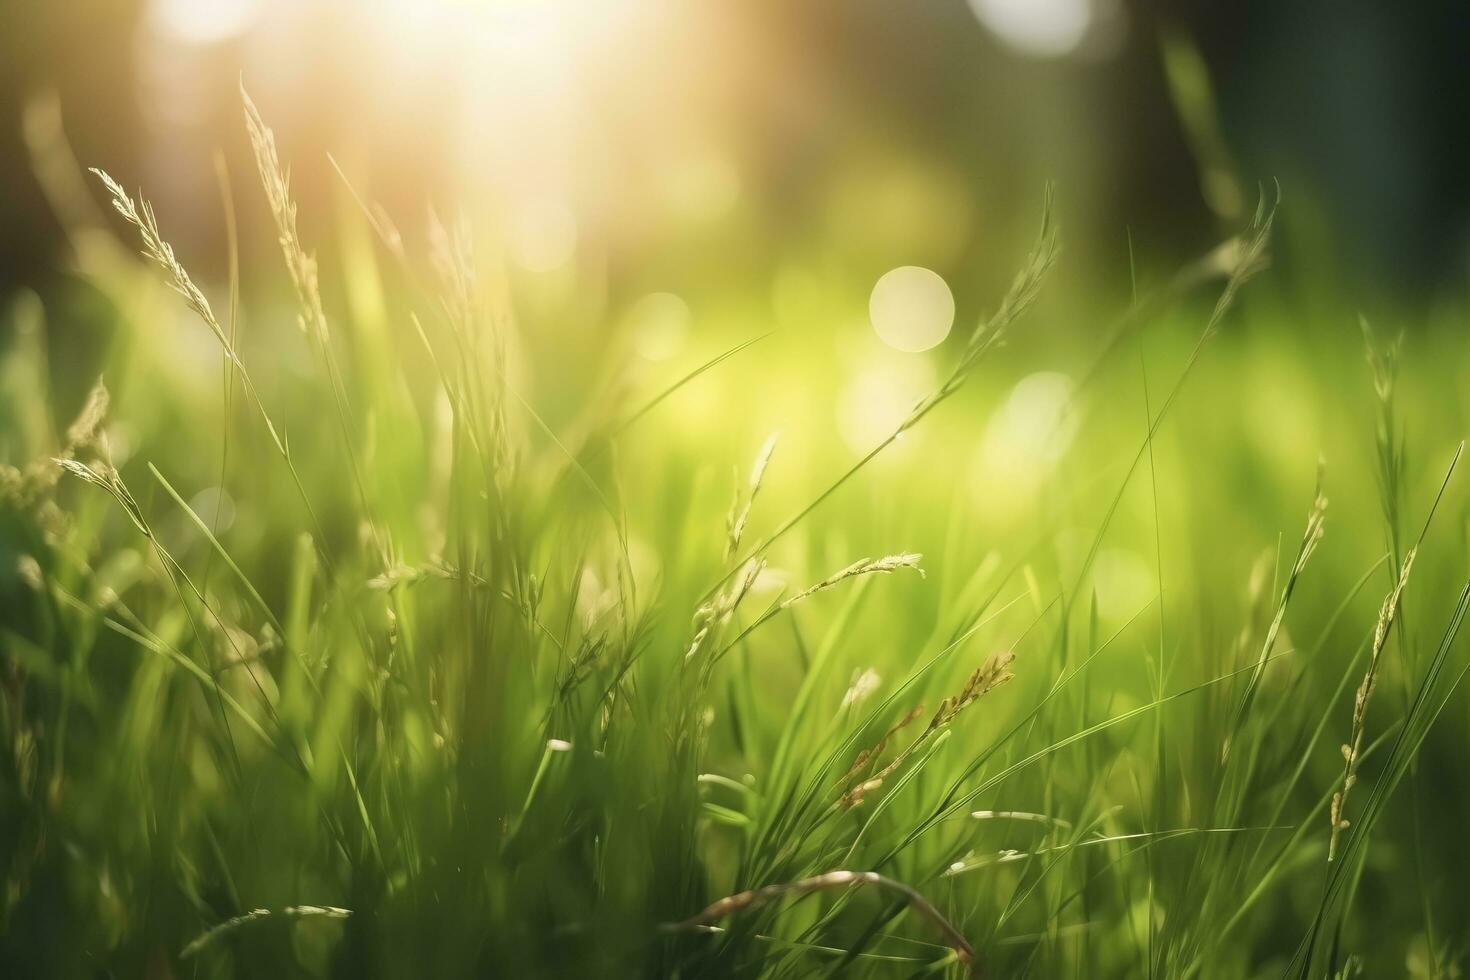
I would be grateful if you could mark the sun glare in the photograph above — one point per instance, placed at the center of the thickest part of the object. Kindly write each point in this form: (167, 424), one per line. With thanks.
(202, 21)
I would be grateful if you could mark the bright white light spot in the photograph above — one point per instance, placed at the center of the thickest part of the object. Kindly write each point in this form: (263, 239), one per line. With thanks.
(1025, 438)
(863, 685)
(202, 21)
(660, 324)
(911, 309)
(876, 402)
(770, 580)
(543, 235)
(1045, 28)
(1032, 429)
(528, 30)
(121, 438)
(215, 508)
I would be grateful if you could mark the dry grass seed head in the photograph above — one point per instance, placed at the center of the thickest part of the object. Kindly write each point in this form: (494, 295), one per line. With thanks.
(1352, 749)
(740, 507)
(276, 179)
(994, 672)
(865, 566)
(715, 613)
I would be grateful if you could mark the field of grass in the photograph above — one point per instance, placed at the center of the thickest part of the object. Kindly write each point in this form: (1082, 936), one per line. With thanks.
(367, 620)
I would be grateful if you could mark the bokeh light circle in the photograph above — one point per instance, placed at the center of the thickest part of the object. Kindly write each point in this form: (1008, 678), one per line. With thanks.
(1043, 28)
(911, 309)
(660, 324)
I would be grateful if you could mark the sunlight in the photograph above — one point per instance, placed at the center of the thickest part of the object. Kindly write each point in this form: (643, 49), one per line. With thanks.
(202, 21)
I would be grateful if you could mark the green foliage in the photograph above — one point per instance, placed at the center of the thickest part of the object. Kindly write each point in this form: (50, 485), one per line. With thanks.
(486, 675)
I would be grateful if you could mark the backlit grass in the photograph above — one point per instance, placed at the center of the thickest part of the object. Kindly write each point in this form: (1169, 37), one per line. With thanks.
(395, 630)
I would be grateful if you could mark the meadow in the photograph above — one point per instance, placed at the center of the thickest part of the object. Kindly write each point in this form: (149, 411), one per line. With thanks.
(361, 619)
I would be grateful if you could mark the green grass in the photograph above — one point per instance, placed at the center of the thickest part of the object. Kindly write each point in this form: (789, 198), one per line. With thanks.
(488, 666)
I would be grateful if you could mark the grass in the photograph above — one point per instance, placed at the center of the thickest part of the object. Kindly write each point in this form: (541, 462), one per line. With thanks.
(492, 673)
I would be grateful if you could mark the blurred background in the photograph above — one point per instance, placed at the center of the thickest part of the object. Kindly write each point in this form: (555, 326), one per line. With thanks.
(670, 146)
(853, 180)
(662, 180)
(850, 185)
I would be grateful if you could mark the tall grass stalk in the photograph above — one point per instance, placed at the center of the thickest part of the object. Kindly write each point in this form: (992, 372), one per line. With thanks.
(520, 687)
